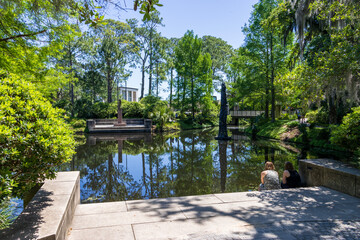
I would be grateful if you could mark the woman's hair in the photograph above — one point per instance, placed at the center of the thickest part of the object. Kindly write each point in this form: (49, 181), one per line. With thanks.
(289, 166)
(269, 166)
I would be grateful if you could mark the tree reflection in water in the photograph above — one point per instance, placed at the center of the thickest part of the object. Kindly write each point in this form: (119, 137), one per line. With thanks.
(117, 168)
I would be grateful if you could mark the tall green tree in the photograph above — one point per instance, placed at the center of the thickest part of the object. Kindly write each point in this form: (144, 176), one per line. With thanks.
(329, 42)
(194, 71)
(142, 44)
(152, 25)
(170, 65)
(263, 57)
(114, 51)
(160, 58)
(145, 33)
(220, 52)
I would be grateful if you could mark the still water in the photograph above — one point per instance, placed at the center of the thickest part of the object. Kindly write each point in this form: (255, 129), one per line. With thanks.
(127, 167)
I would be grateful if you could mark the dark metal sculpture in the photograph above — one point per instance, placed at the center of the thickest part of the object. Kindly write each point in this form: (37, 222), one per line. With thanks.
(223, 115)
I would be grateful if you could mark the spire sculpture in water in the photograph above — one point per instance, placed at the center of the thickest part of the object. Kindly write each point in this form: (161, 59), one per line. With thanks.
(223, 115)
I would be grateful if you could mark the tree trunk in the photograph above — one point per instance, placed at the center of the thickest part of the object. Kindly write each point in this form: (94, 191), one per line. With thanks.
(178, 90)
(272, 80)
(109, 88)
(142, 78)
(157, 78)
(192, 99)
(267, 100)
(171, 86)
(267, 83)
(71, 84)
(93, 89)
(332, 107)
(150, 70)
(183, 98)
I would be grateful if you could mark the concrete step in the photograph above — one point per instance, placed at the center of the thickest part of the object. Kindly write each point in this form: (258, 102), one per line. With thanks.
(248, 215)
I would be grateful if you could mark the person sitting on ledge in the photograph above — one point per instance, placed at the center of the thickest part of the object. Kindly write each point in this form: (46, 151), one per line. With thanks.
(269, 178)
(291, 178)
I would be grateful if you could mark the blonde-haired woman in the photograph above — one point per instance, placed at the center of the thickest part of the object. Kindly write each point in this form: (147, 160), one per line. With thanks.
(269, 178)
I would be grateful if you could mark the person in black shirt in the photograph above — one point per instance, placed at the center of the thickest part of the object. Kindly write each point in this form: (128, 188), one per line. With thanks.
(291, 178)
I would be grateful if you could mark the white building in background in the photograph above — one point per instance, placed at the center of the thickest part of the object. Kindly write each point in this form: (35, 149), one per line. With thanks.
(129, 94)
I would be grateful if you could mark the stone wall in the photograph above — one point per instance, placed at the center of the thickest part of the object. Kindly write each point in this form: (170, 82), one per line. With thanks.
(49, 214)
(332, 174)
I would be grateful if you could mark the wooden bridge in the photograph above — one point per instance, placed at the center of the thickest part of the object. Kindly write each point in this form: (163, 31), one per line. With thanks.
(245, 114)
(237, 114)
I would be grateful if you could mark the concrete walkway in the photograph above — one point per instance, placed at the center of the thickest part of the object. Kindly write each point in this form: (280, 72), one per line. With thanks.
(306, 213)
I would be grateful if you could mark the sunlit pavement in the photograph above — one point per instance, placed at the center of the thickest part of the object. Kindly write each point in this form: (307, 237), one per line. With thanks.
(305, 213)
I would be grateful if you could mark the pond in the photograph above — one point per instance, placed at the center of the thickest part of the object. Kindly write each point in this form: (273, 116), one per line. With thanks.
(144, 166)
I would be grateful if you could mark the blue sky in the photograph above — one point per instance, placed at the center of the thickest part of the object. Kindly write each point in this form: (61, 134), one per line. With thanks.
(218, 18)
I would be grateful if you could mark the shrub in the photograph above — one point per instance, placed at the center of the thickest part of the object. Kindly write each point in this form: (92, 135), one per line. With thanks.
(292, 124)
(285, 116)
(311, 116)
(104, 110)
(228, 119)
(150, 102)
(78, 123)
(243, 122)
(324, 134)
(34, 139)
(133, 109)
(303, 130)
(63, 104)
(207, 118)
(319, 116)
(161, 115)
(83, 108)
(348, 133)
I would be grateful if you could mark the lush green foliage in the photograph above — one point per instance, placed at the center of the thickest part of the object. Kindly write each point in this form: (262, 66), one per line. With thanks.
(318, 116)
(259, 63)
(34, 139)
(292, 124)
(161, 115)
(78, 125)
(133, 109)
(347, 134)
(271, 129)
(220, 53)
(104, 110)
(194, 84)
(150, 102)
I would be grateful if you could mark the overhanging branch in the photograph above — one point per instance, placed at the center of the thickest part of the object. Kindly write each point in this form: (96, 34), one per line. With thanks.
(21, 36)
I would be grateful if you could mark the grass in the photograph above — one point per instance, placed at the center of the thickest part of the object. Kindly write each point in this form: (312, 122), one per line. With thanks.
(270, 129)
(316, 136)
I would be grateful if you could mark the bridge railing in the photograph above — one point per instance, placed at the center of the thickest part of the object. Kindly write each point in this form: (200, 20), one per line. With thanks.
(245, 113)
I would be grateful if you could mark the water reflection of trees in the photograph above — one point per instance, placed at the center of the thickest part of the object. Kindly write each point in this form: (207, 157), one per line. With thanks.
(194, 163)
(173, 165)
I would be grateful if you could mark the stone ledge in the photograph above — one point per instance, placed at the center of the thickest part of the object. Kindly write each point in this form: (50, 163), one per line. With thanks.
(49, 214)
(332, 174)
